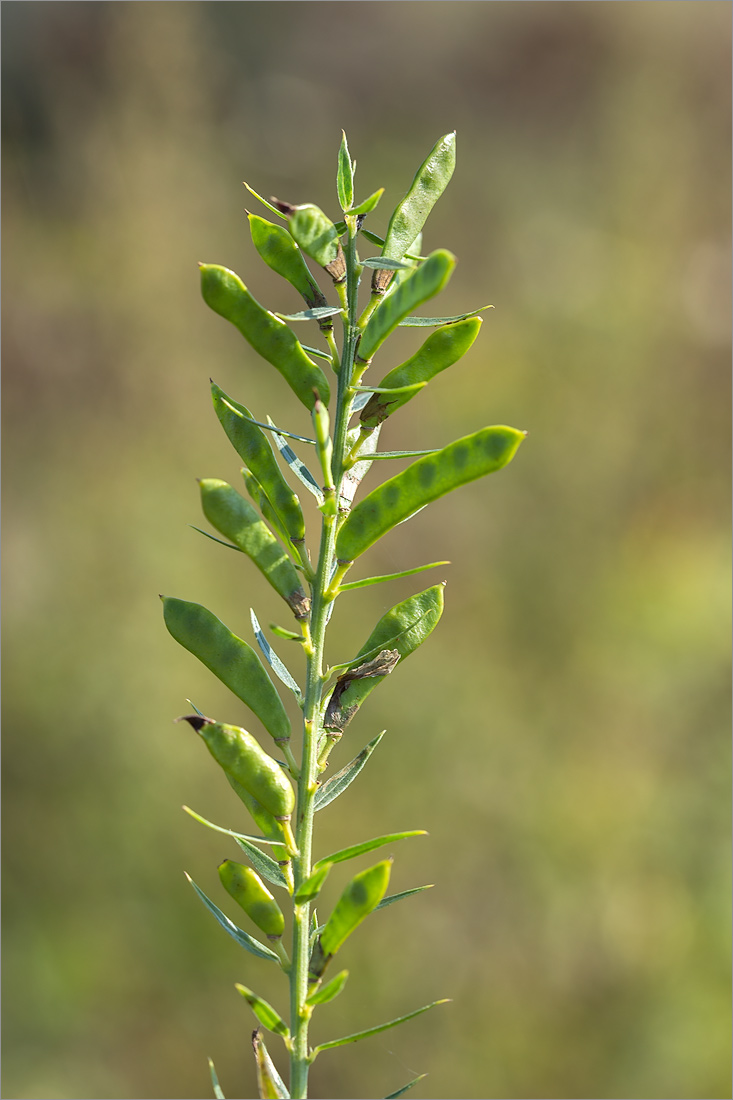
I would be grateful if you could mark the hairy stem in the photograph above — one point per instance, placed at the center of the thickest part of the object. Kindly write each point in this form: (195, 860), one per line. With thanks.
(321, 598)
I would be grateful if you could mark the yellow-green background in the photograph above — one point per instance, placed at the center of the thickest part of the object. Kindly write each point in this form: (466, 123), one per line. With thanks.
(564, 734)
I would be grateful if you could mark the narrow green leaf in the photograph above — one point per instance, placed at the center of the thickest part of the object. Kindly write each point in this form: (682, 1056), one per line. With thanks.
(405, 1088)
(270, 1085)
(328, 992)
(379, 241)
(230, 659)
(402, 629)
(278, 431)
(316, 313)
(411, 389)
(270, 207)
(311, 888)
(215, 1082)
(288, 635)
(242, 938)
(392, 898)
(356, 473)
(375, 1030)
(365, 846)
(244, 837)
(229, 545)
(277, 666)
(263, 1010)
(263, 864)
(427, 479)
(338, 783)
(368, 205)
(345, 175)
(321, 355)
(384, 265)
(367, 581)
(298, 467)
(426, 322)
(422, 283)
(404, 454)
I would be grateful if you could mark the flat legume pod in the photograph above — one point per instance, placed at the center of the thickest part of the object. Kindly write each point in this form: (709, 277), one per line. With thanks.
(362, 895)
(230, 659)
(423, 283)
(403, 628)
(242, 757)
(250, 892)
(280, 252)
(441, 350)
(254, 449)
(234, 517)
(271, 338)
(425, 480)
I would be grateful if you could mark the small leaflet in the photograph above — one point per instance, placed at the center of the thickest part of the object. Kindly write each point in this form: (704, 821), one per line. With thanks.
(273, 660)
(299, 468)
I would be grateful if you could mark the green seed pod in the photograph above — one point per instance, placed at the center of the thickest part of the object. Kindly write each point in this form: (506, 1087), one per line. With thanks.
(253, 448)
(402, 629)
(441, 350)
(270, 827)
(280, 252)
(232, 516)
(419, 285)
(425, 480)
(271, 338)
(362, 895)
(249, 891)
(230, 659)
(242, 758)
(410, 215)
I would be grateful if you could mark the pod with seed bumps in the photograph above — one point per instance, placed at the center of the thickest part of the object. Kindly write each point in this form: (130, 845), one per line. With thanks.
(362, 895)
(270, 337)
(280, 252)
(243, 759)
(249, 891)
(233, 516)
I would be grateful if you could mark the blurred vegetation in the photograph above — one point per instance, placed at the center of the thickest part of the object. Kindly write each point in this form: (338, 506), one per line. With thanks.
(564, 734)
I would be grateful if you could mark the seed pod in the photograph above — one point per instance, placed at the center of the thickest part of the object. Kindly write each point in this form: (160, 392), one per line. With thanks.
(231, 515)
(280, 252)
(318, 237)
(400, 631)
(253, 448)
(362, 895)
(271, 338)
(425, 480)
(230, 659)
(423, 283)
(441, 350)
(410, 215)
(249, 891)
(243, 759)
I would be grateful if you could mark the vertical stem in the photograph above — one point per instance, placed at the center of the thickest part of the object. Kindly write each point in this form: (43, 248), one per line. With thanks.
(312, 707)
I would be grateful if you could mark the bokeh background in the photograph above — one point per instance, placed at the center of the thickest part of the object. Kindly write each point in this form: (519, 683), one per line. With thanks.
(564, 734)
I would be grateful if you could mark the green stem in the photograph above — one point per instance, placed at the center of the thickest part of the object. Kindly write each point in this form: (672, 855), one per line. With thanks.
(310, 765)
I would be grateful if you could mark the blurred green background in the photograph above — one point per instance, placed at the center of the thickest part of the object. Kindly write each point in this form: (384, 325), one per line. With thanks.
(564, 734)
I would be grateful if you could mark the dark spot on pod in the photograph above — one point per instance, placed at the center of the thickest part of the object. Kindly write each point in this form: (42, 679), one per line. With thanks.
(427, 473)
(460, 456)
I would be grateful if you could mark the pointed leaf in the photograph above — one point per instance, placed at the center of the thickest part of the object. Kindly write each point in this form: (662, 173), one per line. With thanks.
(273, 660)
(319, 353)
(215, 1082)
(405, 1088)
(239, 837)
(328, 992)
(365, 846)
(367, 581)
(384, 265)
(375, 1030)
(288, 635)
(229, 545)
(338, 783)
(413, 253)
(316, 313)
(270, 207)
(422, 283)
(264, 1011)
(345, 175)
(280, 431)
(392, 898)
(359, 402)
(226, 294)
(299, 468)
(403, 628)
(354, 476)
(425, 480)
(311, 888)
(263, 864)
(431, 322)
(405, 454)
(242, 938)
(368, 205)
(270, 1085)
